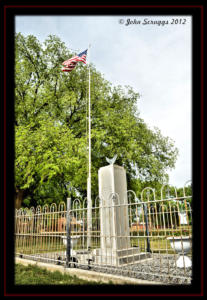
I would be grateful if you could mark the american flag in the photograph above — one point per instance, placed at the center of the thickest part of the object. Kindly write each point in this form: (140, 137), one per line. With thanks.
(70, 64)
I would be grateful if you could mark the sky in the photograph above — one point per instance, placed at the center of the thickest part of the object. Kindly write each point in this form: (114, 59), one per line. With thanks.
(152, 54)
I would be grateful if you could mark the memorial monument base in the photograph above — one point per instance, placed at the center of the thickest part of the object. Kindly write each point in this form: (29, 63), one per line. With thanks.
(119, 257)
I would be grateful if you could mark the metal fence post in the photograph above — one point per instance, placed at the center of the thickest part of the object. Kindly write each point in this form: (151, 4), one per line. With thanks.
(147, 229)
(68, 247)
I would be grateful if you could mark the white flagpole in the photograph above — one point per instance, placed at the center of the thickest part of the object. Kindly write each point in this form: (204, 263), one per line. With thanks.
(89, 203)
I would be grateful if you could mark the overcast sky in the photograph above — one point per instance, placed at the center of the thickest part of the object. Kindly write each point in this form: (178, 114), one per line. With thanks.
(150, 54)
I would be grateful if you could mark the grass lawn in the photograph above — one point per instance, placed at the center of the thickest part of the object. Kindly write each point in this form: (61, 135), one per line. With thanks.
(34, 275)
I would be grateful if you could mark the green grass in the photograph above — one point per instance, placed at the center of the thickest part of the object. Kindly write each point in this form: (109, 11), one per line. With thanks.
(34, 275)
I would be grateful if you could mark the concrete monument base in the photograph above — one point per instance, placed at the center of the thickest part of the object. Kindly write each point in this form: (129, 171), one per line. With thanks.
(119, 257)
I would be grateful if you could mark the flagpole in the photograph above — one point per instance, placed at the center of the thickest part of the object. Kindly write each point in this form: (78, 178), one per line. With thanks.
(89, 203)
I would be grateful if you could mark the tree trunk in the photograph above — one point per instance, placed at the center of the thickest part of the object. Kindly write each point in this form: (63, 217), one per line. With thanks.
(18, 198)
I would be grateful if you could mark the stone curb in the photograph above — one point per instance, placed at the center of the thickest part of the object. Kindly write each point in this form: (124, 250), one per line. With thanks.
(87, 275)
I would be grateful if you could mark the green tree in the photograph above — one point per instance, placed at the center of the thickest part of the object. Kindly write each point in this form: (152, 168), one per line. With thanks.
(51, 113)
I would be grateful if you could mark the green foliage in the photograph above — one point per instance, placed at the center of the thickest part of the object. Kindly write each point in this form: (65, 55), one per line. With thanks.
(51, 127)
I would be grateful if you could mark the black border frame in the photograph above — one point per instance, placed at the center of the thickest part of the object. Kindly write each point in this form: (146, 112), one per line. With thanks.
(8, 13)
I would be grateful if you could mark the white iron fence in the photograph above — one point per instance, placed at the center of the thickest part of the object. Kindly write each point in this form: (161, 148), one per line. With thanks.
(148, 239)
